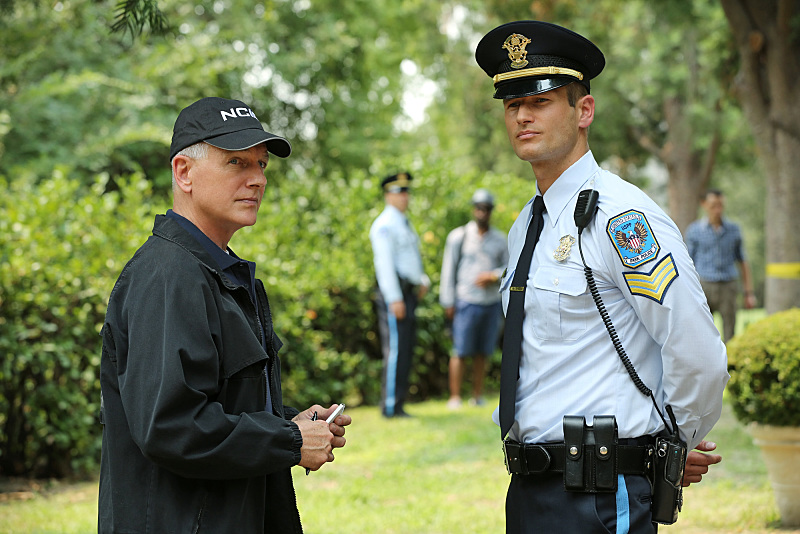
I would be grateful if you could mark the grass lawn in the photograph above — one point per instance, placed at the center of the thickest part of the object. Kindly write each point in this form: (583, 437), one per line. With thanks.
(439, 472)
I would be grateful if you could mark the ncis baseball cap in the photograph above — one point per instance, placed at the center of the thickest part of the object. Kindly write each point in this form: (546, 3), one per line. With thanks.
(225, 124)
(530, 57)
(397, 183)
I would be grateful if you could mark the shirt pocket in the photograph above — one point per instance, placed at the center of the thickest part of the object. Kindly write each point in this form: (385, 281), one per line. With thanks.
(406, 244)
(562, 304)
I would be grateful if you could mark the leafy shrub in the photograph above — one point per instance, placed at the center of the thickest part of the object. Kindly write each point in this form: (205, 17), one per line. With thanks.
(64, 245)
(765, 371)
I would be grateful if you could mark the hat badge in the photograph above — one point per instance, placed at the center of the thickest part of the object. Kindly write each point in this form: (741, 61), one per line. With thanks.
(515, 44)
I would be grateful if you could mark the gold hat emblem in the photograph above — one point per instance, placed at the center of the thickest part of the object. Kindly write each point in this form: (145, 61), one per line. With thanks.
(515, 44)
(402, 180)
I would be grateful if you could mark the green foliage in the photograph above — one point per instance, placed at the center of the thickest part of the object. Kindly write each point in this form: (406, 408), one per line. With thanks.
(62, 247)
(326, 76)
(765, 374)
(135, 15)
(65, 244)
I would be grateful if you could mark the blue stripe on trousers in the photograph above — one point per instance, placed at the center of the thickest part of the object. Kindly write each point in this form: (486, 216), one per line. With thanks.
(391, 364)
(623, 507)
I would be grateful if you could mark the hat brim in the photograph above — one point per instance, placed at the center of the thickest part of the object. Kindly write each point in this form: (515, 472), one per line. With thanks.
(244, 139)
(530, 86)
(397, 189)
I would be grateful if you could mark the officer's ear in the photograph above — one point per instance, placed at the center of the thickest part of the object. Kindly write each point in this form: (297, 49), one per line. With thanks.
(585, 107)
(181, 165)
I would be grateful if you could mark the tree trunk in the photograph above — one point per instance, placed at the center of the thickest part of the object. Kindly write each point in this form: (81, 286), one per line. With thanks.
(688, 177)
(767, 86)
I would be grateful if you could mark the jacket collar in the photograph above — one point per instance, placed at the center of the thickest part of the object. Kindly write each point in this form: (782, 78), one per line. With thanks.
(171, 230)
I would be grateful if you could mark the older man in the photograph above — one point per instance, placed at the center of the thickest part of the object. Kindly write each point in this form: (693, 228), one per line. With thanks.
(196, 436)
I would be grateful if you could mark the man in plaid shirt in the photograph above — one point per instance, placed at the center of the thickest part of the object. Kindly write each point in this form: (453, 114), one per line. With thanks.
(715, 245)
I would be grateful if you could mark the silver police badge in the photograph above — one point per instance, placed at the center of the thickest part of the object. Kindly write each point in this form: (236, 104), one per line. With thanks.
(564, 248)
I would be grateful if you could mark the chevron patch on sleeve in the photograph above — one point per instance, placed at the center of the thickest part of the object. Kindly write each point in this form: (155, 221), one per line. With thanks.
(653, 285)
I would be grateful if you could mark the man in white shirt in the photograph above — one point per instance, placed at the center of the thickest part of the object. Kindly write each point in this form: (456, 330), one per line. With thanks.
(558, 361)
(401, 283)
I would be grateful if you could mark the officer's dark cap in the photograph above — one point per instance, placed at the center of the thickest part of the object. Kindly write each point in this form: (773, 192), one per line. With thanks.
(529, 57)
(397, 183)
(225, 124)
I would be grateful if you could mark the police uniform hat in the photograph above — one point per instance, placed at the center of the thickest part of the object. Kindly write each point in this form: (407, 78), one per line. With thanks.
(529, 57)
(226, 124)
(397, 183)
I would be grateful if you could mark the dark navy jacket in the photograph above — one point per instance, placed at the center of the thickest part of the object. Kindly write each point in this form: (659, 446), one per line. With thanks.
(187, 443)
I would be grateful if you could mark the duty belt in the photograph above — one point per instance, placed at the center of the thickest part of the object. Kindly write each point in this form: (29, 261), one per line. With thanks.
(529, 459)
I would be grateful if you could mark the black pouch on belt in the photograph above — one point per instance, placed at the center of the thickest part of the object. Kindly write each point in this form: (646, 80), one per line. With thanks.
(591, 454)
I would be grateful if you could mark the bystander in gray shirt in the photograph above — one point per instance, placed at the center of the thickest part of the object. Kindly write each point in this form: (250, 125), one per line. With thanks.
(467, 253)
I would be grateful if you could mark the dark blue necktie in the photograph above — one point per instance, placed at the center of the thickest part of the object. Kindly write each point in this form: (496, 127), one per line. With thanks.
(515, 313)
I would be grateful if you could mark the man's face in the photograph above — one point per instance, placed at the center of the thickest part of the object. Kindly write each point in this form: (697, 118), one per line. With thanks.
(482, 213)
(543, 127)
(714, 206)
(399, 200)
(227, 188)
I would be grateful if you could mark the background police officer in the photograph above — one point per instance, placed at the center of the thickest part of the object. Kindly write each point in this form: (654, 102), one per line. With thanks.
(401, 283)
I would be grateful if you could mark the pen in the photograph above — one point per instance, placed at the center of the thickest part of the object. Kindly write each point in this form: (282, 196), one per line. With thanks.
(313, 418)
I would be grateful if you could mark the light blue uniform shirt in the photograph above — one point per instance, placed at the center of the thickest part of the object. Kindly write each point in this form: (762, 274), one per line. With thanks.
(654, 299)
(395, 247)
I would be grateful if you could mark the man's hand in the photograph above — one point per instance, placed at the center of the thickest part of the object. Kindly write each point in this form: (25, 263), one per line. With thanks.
(485, 279)
(398, 309)
(450, 312)
(337, 426)
(318, 439)
(697, 463)
(422, 291)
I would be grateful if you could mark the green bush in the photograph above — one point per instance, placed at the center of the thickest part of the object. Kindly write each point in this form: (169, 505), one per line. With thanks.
(62, 247)
(65, 244)
(765, 371)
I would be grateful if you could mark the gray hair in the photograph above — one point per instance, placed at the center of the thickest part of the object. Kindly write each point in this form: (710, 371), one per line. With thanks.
(195, 151)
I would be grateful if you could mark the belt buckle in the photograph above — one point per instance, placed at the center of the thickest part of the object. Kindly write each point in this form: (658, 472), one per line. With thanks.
(514, 457)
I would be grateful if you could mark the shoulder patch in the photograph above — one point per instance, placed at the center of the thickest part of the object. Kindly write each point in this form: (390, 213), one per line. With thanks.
(653, 285)
(631, 235)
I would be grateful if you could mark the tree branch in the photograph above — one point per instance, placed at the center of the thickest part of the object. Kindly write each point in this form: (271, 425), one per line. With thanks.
(646, 142)
(134, 15)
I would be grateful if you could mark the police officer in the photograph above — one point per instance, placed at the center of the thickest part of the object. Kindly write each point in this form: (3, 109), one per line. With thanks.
(401, 283)
(558, 359)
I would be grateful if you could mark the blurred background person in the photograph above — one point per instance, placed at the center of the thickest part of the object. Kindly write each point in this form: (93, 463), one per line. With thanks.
(475, 256)
(716, 247)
